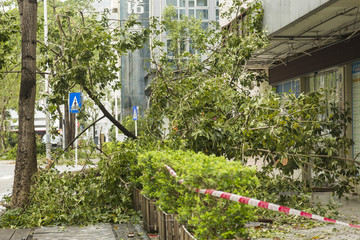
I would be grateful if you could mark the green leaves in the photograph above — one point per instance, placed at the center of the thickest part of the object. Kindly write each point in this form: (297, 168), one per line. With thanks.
(208, 217)
(206, 96)
(101, 194)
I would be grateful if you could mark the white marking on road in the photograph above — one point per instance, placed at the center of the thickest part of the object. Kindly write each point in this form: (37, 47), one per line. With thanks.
(6, 177)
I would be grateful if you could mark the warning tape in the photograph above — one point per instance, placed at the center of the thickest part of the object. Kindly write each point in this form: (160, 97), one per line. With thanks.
(261, 204)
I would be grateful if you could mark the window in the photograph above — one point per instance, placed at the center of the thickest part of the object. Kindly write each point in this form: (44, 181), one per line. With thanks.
(202, 14)
(171, 2)
(169, 46)
(191, 13)
(292, 86)
(331, 80)
(201, 3)
(182, 13)
(205, 10)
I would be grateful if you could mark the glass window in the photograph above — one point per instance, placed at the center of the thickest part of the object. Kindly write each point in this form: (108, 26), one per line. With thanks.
(181, 13)
(201, 3)
(204, 25)
(217, 14)
(176, 16)
(169, 44)
(171, 2)
(191, 13)
(182, 46)
(203, 14)
(191, 47)
(331, 81)
(182, 3)
(292, 86)
(217, 2)
(288, 87)
(191, 3)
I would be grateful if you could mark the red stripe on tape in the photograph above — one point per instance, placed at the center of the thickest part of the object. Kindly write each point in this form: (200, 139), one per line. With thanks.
(226, 195)
(329, 220)
(356, 226)
(284, 209)
(304, 214)
(209, 191)
(263, 204)
(244, 200)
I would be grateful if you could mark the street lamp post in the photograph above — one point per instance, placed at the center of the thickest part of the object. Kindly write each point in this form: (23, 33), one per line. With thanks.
(48, 143)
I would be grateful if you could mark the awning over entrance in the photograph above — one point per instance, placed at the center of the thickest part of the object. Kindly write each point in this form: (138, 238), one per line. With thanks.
(333, 22)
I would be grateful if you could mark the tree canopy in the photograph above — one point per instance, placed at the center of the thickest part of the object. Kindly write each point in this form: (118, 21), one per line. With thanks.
(203, 86)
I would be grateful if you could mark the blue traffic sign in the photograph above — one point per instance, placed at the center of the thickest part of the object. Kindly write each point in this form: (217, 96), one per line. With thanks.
(75, 102)
(135, 114)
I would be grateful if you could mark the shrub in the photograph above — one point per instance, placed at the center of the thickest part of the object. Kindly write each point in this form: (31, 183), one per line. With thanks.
(206, 216)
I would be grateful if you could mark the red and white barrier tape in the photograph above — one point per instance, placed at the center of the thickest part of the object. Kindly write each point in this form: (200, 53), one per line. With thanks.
(261, 204)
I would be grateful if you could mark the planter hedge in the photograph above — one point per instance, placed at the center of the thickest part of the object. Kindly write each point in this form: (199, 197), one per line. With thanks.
(205, 216)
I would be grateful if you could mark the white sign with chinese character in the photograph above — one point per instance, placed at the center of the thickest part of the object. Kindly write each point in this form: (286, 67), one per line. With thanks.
(136, 6)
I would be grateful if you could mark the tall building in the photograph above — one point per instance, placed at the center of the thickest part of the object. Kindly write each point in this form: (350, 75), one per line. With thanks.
(135, 65)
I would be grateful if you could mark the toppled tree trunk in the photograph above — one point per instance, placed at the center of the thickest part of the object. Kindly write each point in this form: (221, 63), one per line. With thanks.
(108, 115)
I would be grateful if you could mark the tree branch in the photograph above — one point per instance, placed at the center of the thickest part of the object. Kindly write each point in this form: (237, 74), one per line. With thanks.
(107, 114)
(306, 155)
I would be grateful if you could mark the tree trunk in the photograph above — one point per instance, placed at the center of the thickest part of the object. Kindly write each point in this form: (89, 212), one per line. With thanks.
(2, 129)
(69, 125)
(72, 126)
(26, 164)
(306, 175)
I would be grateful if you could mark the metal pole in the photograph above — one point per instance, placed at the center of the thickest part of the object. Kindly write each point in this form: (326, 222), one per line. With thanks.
(116, 115)
(137, 113)
(48, 137)
(76, 143)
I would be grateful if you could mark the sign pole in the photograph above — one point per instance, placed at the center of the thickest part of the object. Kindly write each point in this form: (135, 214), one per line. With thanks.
(135, 128)
(47, 119)
(76, 143)
(75, 103)
(135, 117)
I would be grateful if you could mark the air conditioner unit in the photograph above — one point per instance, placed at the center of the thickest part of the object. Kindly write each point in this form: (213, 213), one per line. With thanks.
(115, 6)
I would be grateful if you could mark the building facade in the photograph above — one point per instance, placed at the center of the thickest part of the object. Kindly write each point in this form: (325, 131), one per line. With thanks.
(315, 44)
(135, 66)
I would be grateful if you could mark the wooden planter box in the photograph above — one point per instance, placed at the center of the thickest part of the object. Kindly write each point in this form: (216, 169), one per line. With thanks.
(148, 210)
(157, 221)
(137, 199)
(168, 226)
(184, 234)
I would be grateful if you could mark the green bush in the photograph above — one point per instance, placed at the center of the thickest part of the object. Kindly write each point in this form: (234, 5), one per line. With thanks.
(207, 217)
(101, 194)
(10, 154)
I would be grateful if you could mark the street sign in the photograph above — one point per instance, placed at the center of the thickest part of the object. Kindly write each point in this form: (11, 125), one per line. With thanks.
(75, 102)
(135, 114)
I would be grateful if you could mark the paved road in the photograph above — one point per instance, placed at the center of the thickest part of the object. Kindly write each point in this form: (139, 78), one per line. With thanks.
(6, 177)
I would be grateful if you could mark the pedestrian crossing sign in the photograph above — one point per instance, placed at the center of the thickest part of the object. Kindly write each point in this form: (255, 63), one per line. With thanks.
(75, 102)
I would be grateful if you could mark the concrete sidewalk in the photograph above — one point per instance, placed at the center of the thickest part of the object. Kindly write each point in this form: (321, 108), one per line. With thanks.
(103, 231)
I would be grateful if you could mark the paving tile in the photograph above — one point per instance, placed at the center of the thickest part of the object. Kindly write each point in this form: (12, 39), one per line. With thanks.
(101, 231)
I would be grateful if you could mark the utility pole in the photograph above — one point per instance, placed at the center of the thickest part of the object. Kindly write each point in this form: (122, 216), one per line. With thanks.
(48, 137)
